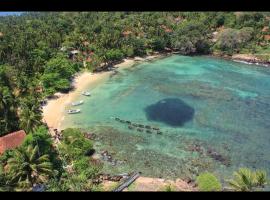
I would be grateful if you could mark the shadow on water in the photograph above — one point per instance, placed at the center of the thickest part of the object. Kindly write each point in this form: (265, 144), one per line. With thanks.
(171, 111)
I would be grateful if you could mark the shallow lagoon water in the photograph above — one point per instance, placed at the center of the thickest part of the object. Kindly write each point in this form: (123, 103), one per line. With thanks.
(213, 115)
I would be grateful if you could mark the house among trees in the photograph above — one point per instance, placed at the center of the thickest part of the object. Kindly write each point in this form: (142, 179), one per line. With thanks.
(267, 37)
(11, 140)
(73, 54)
(126, 33)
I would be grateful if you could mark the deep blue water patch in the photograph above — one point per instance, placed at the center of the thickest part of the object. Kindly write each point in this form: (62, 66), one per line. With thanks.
(171, 111)
(226, 108)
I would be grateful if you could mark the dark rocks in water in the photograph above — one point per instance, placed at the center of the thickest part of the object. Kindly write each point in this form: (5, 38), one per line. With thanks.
(107, 157)
(105, 152)
(122, 121)
(115, 72)
(90, 152)
(148, 131)
(171, 111)
(115, 178)
(121, 162)
(147, 126)
(147, 164)
(113, 162)
(155, 128)
(107, 177)
(218, 157)
(226, 147)
(196, 148)
(128, 122)
(135, 125)
(130, 127)
(140, 130)
(159, 132)
(190, 181)
(117, 119)
(90, 136)
(141, 125)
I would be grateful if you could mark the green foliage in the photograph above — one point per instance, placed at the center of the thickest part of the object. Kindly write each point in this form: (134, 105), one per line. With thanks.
(8, 103)
(41, 138)
(3, 186)
(208, 182)
(32, 57)
(169, 188)
(34, 48)
(114, 55)
(74, 145)
(81, 170)
(27, 167)
(261, 178)
(232, 40)
(158, 44)
(57, 74)
(250, 19)
(190, 38)
(248, 180)
(30, 116)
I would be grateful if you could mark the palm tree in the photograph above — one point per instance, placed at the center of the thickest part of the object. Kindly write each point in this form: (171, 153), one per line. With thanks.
(8, 116)
(27, 167)
(247, 180)
(30, 117)
(3, 186)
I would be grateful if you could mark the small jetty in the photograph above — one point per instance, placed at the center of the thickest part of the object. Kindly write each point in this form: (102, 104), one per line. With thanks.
(127, 182)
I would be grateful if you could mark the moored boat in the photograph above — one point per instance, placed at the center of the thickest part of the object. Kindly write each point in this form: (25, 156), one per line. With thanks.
(86, 93)
(77, 103)
(74, 111)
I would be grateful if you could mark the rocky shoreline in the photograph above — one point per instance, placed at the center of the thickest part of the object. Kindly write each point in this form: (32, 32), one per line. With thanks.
(244, 58)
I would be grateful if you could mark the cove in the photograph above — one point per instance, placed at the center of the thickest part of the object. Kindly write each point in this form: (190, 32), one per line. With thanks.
(211, 115)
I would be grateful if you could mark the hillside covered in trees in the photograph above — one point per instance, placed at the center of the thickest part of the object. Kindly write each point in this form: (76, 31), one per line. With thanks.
(41, 52)
(35, 58)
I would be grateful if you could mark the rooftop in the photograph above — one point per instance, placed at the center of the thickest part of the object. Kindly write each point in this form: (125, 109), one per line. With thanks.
(11, 140)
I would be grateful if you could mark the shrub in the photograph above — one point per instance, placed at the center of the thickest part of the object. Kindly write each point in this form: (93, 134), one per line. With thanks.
(247, 180)
(169, 188)
(208, 182)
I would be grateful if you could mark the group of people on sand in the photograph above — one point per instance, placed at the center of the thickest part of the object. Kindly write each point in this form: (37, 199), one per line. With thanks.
(57, 135)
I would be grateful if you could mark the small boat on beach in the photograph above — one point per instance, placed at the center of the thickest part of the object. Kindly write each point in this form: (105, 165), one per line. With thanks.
(77, 103)
(74, 111)
(86, 93)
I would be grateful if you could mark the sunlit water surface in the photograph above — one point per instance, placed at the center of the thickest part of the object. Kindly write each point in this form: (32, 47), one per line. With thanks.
(213, 115)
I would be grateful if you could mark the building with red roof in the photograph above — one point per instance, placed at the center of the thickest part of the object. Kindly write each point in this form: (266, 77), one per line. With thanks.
(11, 140)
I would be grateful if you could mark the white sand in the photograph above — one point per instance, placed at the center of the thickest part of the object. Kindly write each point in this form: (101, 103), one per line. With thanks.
(53, 111)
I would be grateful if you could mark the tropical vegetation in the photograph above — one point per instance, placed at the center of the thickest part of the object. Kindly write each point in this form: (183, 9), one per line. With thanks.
(40, 53)
(208, 182)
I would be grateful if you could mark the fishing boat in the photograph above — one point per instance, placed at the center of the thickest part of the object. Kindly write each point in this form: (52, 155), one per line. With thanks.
(77, 103)
(74, 111)
(86, 93)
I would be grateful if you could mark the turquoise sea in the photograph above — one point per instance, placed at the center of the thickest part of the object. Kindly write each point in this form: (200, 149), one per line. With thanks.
(212, 115)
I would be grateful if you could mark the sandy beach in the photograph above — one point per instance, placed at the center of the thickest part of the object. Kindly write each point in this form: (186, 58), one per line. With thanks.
(153, 185)
(54, 110)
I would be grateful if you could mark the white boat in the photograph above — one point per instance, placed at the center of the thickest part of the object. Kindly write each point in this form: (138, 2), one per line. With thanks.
(74, 111)
(86, 93)
(77, 103)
